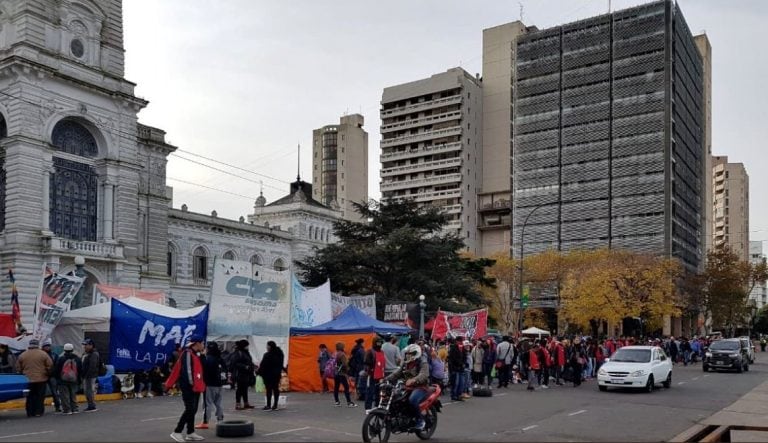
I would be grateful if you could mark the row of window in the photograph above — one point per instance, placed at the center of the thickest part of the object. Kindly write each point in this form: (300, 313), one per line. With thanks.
(200, 262)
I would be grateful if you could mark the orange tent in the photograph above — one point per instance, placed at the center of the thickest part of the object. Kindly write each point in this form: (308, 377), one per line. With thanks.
(303, 350)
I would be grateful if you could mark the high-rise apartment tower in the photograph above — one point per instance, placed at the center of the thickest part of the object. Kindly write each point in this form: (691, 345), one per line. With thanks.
(730, 206)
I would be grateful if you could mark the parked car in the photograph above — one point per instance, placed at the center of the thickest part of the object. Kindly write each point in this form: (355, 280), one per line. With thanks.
(13, 386)
(639, 367)
(727, 354)
(747, 342)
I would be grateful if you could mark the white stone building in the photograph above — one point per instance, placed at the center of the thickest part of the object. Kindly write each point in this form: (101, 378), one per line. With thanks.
(760, 292)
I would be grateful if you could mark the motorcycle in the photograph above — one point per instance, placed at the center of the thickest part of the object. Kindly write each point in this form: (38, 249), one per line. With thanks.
(394, 415)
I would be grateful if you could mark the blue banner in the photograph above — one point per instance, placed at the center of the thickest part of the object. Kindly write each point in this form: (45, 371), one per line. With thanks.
(141, 339)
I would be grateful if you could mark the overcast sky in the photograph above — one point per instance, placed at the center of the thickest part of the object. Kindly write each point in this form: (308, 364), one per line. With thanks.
(245, 81)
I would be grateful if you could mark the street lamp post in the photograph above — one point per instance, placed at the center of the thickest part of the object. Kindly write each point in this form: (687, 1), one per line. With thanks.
(79, 272)
(522, 252)
(422, 306)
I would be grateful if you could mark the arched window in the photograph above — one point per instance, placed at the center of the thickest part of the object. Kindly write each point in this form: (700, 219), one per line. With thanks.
(200, 265)
(279, 265)
(74, 184)
(229, 255)
(3, 134)
(171, 264)
(317, 232)
(322, 234)
(256, 260)
(310, 232)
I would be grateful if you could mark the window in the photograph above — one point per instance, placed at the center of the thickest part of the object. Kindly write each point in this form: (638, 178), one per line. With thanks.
(256, 260)
(279, 265)
(229, 255)
(200, 265)
(3, 134)
(171, 262)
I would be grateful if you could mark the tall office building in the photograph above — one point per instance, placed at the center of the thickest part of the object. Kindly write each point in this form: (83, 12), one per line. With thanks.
(760, 292)
(730, 206)
(705, 49)
(493, 198)
(431, 139)
(608, 141)
(340, 165)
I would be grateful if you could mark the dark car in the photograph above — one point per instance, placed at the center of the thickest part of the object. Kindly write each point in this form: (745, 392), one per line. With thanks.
(13, 386)
(727, 354)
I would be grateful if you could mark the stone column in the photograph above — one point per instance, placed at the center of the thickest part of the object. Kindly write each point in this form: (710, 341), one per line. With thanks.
(46, 212)
(109, 209)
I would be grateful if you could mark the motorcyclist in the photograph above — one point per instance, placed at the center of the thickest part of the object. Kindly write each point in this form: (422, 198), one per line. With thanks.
(415, 372)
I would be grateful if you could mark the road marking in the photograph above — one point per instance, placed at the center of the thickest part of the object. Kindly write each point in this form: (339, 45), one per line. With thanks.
(528, 428)
(287, 431)
(501, 395)
(24, 435)
(159, 418)
(577, 412)
(695, 378)
(681, 382)
(706, 375)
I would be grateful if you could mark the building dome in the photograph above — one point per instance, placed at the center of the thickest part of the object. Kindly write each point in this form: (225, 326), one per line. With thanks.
(261, 201)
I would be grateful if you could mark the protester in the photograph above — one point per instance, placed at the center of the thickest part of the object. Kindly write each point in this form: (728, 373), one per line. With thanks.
(322, 360)
(271, 369)
(392, 355)
(243, 375)
(505, 355)
(340, 378)
(37, 366)
(375, 362)
(489, 360)
(357, 367)
(188, 372)
(214, 375)
(156, 381)
(7, 360)
(455, 369)
(91, 367)
(68, 373)
(478, 354)
(52, 383)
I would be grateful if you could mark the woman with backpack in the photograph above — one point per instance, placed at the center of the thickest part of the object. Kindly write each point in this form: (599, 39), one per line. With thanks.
(68, 372)
(243, 375)
(341, 364)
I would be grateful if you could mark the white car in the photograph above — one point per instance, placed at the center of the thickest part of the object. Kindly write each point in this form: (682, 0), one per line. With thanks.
(640, 367)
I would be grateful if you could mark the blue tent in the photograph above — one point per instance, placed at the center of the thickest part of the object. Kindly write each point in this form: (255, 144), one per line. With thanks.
(352, 321)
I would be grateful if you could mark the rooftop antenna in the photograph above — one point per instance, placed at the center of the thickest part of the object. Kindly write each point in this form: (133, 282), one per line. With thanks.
(521, 11)
(298, 164)
(609, 6)
(261, 187)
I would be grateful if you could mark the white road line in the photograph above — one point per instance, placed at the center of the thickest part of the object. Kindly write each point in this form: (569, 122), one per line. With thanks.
(287, 431)
(528, 428)
(695, 378)
(681, 382)
(159, 418)
(577, 412)
(706, 375)
(24, 435)
(501, 395)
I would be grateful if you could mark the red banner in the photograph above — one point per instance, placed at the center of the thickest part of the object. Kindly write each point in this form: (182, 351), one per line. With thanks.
(120, 292)
(470, 325)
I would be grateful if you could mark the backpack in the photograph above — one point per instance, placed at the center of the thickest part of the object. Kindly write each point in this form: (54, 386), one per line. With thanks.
(69, 371)
(330, 368)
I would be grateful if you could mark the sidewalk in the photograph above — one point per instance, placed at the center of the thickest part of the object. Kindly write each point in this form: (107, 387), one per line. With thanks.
(20, 404)
(745, 420)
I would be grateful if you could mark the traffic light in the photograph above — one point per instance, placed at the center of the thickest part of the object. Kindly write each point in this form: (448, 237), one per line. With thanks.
(526, 297)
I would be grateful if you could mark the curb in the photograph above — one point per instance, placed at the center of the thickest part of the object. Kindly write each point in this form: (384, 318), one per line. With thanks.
(20, 404)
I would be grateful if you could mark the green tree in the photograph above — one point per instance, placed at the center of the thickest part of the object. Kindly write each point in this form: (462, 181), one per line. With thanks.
(400, 253)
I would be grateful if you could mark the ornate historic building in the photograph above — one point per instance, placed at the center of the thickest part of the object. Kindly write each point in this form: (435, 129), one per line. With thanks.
(79, 176)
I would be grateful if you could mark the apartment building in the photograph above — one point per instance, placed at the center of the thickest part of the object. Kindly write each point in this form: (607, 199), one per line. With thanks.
(608, 135)
(730, 206)
(760, 292)
(340, 165)
(431, 146)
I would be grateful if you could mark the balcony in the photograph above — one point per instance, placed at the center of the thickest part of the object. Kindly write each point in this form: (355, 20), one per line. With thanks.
(420, 167)
(432, 119)
(453, 224)
(87, 249)
(427, 150)
(417, 107)
(421, 137)
(421, 182)
(452, 209)
(431, 196)
(502, 205)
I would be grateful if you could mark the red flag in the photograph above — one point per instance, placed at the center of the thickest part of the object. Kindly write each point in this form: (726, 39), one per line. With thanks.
(15, 310)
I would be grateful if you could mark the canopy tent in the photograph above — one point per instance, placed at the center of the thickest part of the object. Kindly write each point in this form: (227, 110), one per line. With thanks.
(534, 331)
(95, 318)
(350, 325)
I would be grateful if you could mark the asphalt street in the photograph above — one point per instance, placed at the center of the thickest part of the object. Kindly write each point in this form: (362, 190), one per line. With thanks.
(512, 414)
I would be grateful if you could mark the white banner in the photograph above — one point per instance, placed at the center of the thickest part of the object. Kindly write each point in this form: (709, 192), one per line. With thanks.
(310, 307)
(56, 295)
(366, 303)
(251, 302)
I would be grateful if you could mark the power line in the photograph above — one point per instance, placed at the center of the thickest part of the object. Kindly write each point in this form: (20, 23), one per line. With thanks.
(228, 165)
(226, 172)
(211, 188)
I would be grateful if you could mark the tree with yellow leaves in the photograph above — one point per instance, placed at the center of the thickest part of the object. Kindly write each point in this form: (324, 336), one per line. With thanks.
(499, 299)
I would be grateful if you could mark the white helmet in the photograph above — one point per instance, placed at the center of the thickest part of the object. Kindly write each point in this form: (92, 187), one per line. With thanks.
(411, 353)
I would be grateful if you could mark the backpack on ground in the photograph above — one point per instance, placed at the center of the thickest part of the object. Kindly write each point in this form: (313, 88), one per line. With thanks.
(69, 371)
(330, 368)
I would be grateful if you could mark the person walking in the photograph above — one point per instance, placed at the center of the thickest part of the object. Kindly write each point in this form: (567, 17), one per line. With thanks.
(489, 359)
(340, 378)
(68, 374)
(534, 366)
(188, 372)
(243, 375)
(357, 368)
(455, 369)
(271, 369)
(91, 367)
(214, 375)
(392, 355)
(577, 359)
(504, 356)
(322, 360)
(7, 360)
(52, 383)
(375, 362)
(37, 366)
(478, 354)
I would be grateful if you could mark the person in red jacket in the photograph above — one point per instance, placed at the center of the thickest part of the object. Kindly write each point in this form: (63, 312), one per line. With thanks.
(557, 354)
(533, 365)
(188, 372)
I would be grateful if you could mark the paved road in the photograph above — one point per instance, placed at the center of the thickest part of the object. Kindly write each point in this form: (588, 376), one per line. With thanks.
(513, 414)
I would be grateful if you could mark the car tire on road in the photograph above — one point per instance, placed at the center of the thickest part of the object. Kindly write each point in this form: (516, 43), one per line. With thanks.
(649, 384)
(602, 388)
(705, 368)
(746, 367)
(234, 428)
(668, 382)
(740, 369)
